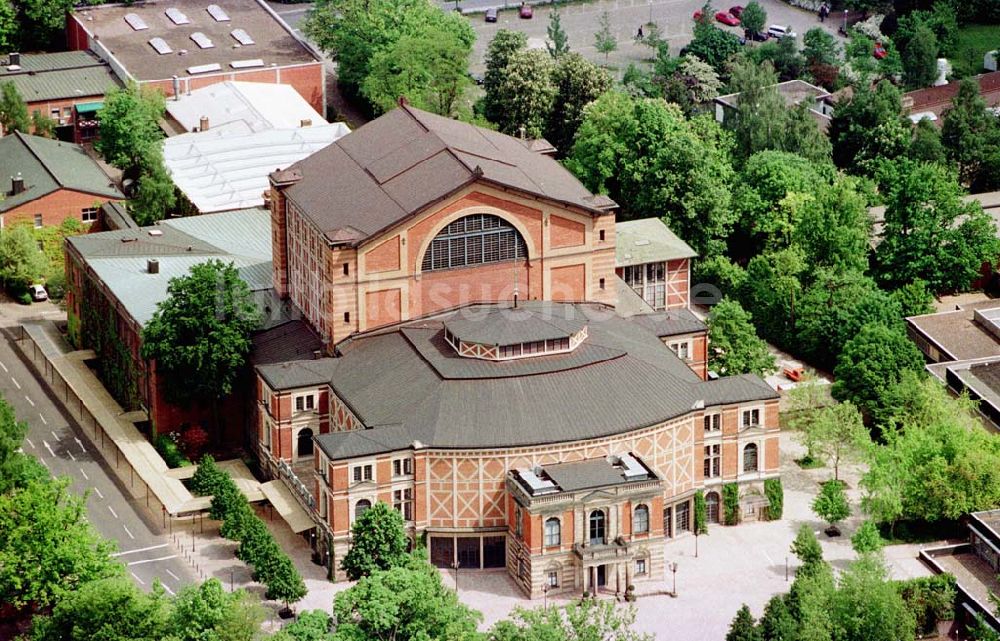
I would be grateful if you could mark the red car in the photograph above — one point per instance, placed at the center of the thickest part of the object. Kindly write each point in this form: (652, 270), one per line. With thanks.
(697, 15)
(526, 11)
(880, 51)
(727, 18)
(736, 11)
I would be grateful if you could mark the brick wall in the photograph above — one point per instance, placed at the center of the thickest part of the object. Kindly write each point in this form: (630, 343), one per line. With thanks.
(54, 207)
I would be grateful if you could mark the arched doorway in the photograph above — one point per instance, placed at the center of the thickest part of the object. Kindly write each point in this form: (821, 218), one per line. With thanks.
(712, 507)
(304, 443)
(361, 507)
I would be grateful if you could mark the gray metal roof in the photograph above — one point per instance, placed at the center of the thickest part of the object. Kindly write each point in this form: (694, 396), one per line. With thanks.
(648, 241)
(453, 402)
(671, 322)
(66, 75)
(115, 216)
(498, 325)
(592, 473)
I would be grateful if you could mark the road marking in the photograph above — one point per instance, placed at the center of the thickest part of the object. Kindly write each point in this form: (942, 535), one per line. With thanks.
(44, 422)
(162, 558)
(167, 588)
(56, 436)
(16, 384)
(4, 367)
(136, 577)
(99, 493)
(176, 578)
(71, 455)
(45, 464)
(113, 513)
(151, 547)
(82, 448)
(48, 447)
(28, 441)
(84, 474)
(30, 402)
(127, 531)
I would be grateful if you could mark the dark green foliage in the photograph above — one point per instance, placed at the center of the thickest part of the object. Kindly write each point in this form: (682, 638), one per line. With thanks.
(820, 48)
(311, 625)
(743, 627)
(115, 364)
(777, 623)
(971, 138)
(930, 599)
(775, 495)
(208, 478)
(920, 59)
(42, 23)
(172, 455)
(869, 126)
(700, 514)
(501, 49)
(773, 285)
(578, 82)
(558, 42)
(378, 542)
(155, 196)
(807, 549)
(926, 145)
(871, 363)
(731, 504)
(753, 17)
(914, 298)
(734, 347)
(713, 45)
(13, 110)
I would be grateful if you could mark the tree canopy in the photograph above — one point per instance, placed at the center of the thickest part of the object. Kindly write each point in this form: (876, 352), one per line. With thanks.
(378, 542)
(970, 136)
(734, 347)
(21, 262)
(129, 126)
(831, 503)
(588, 619)
(499, 52)
(13, 109)
(869, 126)
(17, 469)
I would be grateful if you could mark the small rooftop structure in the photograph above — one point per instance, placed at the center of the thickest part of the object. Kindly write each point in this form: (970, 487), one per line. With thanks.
(46, 166)
(258, 105)
(961, 334)
(648, 240)
(66, 75)
(610, 471)
(793, 92)
(227, 167)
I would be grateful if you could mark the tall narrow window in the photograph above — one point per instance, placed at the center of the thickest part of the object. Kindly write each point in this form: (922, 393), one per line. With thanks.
(553, 532)
(597, 534)
(750, 457)
(713, 461)
(641, 520)
(361, 507)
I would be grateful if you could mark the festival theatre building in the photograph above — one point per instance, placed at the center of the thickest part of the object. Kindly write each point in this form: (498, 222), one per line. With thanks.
(525, 392)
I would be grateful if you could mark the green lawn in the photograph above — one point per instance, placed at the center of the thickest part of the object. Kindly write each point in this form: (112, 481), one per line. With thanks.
(974, 40)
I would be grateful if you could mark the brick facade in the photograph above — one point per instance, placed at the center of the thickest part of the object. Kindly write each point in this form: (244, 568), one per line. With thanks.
(54, 208)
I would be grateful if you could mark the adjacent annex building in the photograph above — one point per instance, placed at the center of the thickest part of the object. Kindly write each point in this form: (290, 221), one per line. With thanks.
(480, 377)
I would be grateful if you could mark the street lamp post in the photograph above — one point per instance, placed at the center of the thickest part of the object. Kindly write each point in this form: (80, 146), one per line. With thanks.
(650, 11)
(455, 566)
(545, 596)
(845, 22)
(673, 570)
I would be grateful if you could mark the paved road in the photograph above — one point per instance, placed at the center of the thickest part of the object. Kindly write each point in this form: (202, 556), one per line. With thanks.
(57, 441)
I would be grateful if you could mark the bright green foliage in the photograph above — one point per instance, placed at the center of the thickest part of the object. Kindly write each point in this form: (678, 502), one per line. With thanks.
(930, 232)
(775, 495)
(871, 363)
(869, 126)
(819, 47)
(721, 272)
(42, 125)
(21, 263)
(112, 609)
(831, 503)
(43, 23)
(777, 623)
(867, 68)
(429, 68)
(129, 126)
(13, 109)
(807, 549)
(208, 479)
(584, 620)
(48, 549)
(283, 581)
(805, 402)
(558, 42)
(498, 55)
(527, 93)
(355, 32)
(920, 59)
(834, 226)
(406, 602)
(17, 469)
(200, 334)
(8, 26)
(604, 38)
(155, 196)
(868, 606)
(311, 625)
(578, 83)
(926, 145)
(838, 434)
(734, 347)
(971, 137)
(866, 539)
(713, 45)
(941, 21)
(731, 504)
(207, 612)
(743, 627)
(914, 298)
(930, 598)
(378, 542)
(809, 601)
(700, 514)
(652, 161)
(773, 285)
(753, 17)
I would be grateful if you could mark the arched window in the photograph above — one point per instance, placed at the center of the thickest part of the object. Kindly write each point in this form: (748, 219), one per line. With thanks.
(640, 523)
(553, 532)
(712, 507)
(474, 240)
(597, 536)
(305, 442)
(750, 457)
(361, 507)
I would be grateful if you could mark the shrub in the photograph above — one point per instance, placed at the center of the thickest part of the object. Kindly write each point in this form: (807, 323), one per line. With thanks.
(193, 440)
(172, 455)
(867, 538)
(731, 503)
(775, 494)
(700, 514)
(930, 598)
(24, 298)
(208, 478)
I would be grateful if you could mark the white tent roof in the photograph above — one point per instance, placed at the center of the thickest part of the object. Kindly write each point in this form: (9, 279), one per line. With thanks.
(259, 105)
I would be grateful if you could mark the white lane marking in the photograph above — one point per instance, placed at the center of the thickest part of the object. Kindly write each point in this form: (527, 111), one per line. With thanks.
(113, 513)
(162, 558)
(99, 493)
(84, 474)
(127, 531)
(56, 436)
(71, 455)
(151, 547)
(16, 384)
(167, 588)
(28, 440)
(49, 448)
(176, 578)
(136, 577)
(30, 402)
(4, 367)
(82, 448)
(44, 422)
(42, 461)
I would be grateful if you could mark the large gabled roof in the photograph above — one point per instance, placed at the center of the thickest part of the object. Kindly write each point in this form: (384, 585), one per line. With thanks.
(47, 166)
(648, 240)
(398, 164)
(66, 75)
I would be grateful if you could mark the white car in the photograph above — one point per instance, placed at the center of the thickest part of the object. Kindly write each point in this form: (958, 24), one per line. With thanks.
(778, 31)
(38, 293)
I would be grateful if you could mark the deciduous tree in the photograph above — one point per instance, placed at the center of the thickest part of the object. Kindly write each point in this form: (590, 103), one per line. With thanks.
(17, 469)
(753, 17)
(8, 26)
(111, 609)
(866, 539)
(527, 93)
(587, 619)
(867, 605)
(734, 347)
(378, 542)
(920, 59)
(713, 45)
(558, 42)
(498, 54)
(43, 23)
(578, 83)
(819, 47)
(604, 38)
(21, 262)
(129, 126)
(971, 138)
(13, 109)
(868, 126)
(155, 195)
(839, 434)
(831, 504)
(807, 549)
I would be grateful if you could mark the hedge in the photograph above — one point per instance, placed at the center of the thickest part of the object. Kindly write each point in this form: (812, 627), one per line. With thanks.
(775, 494)
(930, 598)
(731, 504)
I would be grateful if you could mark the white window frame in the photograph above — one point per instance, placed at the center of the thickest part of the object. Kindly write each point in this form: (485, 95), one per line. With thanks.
(552, 579)
(648, 517)
(308, 402)
(676, 348)
(759, 409)
(89, 214)
(404, 502)
(404, 465)
(645, 567)
(760, 457)
(545, 532)
(714, 418)
(711, 458)
(362, 467)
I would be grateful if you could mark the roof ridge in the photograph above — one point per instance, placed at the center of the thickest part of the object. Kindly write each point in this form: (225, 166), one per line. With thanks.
(24, 140)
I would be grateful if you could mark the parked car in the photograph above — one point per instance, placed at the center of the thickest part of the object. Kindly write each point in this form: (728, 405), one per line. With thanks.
(755, 36)
(736, 11)
(727, 18)
(778, 31)
(38, 293)
(491, 14)
(477, 78)
(526, 11)
(697, 15)
(880, 51)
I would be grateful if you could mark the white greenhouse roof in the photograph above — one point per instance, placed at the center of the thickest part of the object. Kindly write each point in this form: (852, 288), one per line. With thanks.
(260, 105)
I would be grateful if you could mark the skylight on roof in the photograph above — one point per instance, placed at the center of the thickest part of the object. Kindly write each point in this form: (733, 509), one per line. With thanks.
(246, 64)
(204, 68)
(202, 40)
(134, 21)
(161, 46)
(218, 13)
(177, 16)
(241, 36)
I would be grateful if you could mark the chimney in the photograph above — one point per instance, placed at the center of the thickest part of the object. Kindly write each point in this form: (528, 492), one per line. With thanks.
(317, 354)
(177, 88)
(14, 58)
(203, 124)
(306, 122)
(16, 184)
(153, 266)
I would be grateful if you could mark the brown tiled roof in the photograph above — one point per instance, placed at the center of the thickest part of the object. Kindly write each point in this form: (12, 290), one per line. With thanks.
(398, 164)
(938, 99)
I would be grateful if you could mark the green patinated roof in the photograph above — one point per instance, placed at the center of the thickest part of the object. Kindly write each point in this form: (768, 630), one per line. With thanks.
(648, 241)
(47, 166)
(60, 76)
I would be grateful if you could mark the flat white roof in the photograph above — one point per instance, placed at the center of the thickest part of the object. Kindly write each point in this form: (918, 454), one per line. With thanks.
(260, 105)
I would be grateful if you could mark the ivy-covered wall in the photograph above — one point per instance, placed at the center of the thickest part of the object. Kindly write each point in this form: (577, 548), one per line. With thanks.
(99, 331)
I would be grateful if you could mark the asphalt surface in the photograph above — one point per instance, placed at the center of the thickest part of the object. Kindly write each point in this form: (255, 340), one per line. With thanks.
(56, 440)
